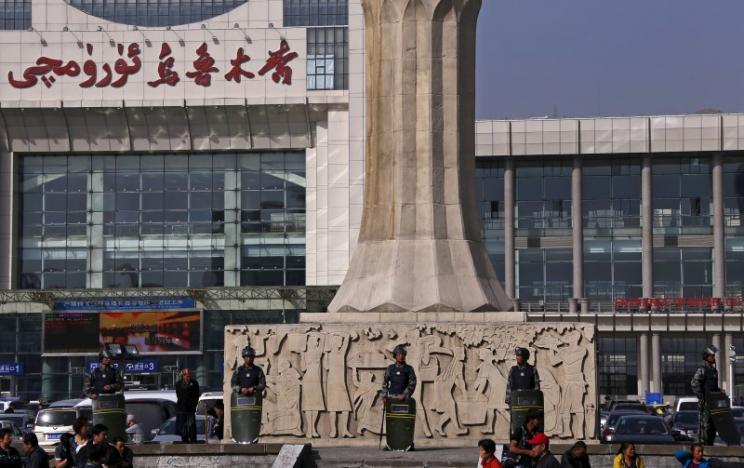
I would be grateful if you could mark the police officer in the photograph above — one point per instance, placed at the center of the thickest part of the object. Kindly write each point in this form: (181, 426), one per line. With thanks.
(400, 379)
(104, 379)
(705, 381)
(248, 379)
(522, 376)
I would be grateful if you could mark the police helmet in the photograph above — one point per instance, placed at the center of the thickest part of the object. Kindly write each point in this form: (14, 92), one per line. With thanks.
(104, 354)
(709, 351)
(400, 349)
(524, 352)
(248, 352)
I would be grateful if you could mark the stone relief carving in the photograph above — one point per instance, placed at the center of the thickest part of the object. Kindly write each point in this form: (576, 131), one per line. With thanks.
(323, 381)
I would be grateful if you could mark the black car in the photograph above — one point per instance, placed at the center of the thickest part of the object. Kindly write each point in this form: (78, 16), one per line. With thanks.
(687, 423)
(642, 429)
(611, 422)
(21, 420)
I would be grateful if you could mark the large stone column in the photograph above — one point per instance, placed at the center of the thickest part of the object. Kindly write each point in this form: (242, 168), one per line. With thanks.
(643, 364)
(509, 260)
(6, 219)
(719, 230)
(656, 385)
(647, 229)
(577, 229)
(420, 246)
(720, 358)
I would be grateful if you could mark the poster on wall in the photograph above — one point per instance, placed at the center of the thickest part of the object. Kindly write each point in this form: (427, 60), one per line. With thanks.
(153, 330)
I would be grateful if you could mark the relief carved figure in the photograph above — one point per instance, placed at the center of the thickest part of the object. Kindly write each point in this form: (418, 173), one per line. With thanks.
(444, 401)
(323, 380)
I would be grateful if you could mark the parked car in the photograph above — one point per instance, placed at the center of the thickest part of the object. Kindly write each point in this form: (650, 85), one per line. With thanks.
(17, 432)
(687, 404)
(6, 403)
(629, 406)
(22, 420)
(737, 412)
(642, 429)
(613, 418)
(51, 423)
(65, 403)
(207, 401)
(150, 408)
(167, 432)
(687, 423)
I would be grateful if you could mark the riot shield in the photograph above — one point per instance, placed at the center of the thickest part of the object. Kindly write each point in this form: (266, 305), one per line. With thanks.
(524, 402)
(109, 410)
(400, 424)
(245, 411)
(719, 407)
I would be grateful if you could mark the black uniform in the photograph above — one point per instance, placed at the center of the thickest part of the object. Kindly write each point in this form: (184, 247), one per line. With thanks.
(245, 377)
(704, 382)
(399, 380)
(187, 394)
(522, 378)
(101, 377)
(38, 458)
(10, 458)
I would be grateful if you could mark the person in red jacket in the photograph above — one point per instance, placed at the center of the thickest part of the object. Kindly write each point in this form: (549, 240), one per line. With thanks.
(487, 449)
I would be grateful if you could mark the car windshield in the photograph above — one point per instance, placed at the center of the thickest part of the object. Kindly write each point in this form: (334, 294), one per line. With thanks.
(689, 419)
(169, 428)
(612, 418)
(688, 406)
(56, 418)
(640, 426)
(630, 406)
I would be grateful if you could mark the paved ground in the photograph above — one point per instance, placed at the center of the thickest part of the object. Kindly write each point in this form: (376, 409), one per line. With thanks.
(363, 457)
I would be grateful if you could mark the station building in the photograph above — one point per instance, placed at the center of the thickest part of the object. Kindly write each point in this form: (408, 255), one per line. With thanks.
(170, 167)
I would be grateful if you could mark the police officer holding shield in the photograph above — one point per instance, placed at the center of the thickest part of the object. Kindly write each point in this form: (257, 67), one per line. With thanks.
(104, 380)
(248, 383)
(248, 379)
(400, 379)
(522, 376)
(705, 382)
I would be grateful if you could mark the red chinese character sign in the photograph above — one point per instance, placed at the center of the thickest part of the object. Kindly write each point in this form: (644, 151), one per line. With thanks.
(200, 69)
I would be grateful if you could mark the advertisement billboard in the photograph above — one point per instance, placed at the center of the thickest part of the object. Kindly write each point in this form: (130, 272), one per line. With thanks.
(153, 332)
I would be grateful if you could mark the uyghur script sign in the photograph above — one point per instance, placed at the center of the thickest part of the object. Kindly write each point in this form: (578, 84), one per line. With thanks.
(92, 73)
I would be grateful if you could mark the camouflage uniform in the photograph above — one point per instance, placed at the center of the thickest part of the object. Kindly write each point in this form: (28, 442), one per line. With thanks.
(704, 382)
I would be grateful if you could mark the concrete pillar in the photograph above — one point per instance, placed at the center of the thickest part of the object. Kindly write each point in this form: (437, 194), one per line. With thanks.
(728, 341)
(720, 358)
(656, 385)
(719, 229)
(7, 250)
(577, 229)
(232, 228)
(647, 229)
(643, 360)
(509, 262)
(95, 231)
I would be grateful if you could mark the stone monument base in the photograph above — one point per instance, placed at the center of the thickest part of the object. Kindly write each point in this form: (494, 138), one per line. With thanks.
(324, 375)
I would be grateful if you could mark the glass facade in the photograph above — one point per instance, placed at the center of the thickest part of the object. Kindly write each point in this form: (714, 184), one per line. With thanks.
(683, 272)
(153, 13)
(174, 220)
(327, 58)
(733, 191)
(544, 275)
(611, 196)
(316, 12)
(543, 197)
(682, 195)
(15, 14)
(734, 270)
(612, 269)
(617, 365)
(20, 341)
(680, 356)
(490, 193)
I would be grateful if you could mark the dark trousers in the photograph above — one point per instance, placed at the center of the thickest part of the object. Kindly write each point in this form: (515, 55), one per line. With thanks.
(186, 426)
(707, 434)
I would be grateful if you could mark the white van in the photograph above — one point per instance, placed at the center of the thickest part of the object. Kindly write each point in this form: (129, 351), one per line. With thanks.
(150, 408)
(687, 404)
(51, 423)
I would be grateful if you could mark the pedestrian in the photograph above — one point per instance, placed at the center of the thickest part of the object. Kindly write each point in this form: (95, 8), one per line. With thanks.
(134, 430)
(627, 457)
(541, 456)
(576, 457)
(218, 412)
(487, 452)
(104, 379)
(692, 459)
(100, 452)
(125, 453)
(704, 382)
(80, 440)
(63, 455)
(399, 381)
(36, 457)
(520, 450)
(522, 376)
(9, 456)
(187, 394)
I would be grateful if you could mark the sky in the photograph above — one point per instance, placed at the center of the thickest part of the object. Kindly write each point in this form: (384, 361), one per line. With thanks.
(579, 58)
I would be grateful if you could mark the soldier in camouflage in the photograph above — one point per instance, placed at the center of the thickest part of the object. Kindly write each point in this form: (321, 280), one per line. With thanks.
(705, 381)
